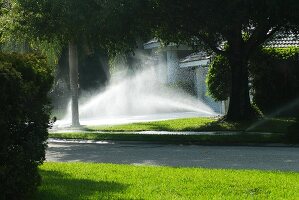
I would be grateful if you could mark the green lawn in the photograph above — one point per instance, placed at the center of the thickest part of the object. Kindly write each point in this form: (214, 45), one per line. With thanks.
(202, 124)
(277, 126)
(106, 181)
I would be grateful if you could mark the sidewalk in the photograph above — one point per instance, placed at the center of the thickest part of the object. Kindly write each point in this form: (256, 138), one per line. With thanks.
(86, 130)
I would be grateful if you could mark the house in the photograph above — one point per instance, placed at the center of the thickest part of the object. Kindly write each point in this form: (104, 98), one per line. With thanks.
(178, 64)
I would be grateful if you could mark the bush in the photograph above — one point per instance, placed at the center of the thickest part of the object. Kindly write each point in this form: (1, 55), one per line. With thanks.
(24, 119)
(275, 80)
(218, 79)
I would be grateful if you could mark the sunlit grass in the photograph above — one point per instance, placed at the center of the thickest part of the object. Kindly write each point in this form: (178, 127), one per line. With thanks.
(107, 181)
(127, 131)
(202, 124)
(165, 125)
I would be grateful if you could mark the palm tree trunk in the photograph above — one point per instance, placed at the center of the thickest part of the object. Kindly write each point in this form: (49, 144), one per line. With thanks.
(73, 67)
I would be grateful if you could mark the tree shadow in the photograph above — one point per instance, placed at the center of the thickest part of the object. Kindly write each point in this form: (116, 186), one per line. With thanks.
(57, 185)
(220, 125)
(156, 126)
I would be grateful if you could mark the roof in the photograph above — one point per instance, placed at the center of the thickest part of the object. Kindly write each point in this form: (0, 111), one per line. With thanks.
(195, 59)
(284, 41)
(154, 43)
(279, 41)
(195, 56)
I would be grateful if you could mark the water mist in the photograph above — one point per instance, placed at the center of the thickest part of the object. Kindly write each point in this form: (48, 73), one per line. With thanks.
(138, 97)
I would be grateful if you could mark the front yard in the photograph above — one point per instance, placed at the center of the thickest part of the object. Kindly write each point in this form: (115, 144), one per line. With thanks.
(108, 181)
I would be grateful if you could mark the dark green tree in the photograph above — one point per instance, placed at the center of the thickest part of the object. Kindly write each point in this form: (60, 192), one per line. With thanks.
(274, 76)
(242, 25)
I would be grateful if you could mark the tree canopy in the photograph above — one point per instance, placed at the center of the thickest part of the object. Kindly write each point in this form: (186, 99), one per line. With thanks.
(234, 29)
(113, 25)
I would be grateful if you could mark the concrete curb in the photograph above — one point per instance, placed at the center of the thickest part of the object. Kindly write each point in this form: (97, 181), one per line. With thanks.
(165, 132)
(82, 141)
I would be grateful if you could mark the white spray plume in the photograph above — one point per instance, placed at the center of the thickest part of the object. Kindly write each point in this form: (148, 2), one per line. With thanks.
(138, 95)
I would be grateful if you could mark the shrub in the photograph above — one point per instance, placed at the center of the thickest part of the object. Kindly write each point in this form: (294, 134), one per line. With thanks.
(24, 119)
(275, 79)
(218, 79)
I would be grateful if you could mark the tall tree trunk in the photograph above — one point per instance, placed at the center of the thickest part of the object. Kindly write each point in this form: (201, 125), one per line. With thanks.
(73, 67)
(239, 106)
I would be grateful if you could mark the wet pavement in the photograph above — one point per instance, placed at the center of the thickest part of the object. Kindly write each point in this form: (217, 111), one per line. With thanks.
(284, 158)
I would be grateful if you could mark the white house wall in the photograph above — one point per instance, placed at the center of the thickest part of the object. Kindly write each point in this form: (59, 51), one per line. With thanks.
(162, 67)
(200, 75)
(172, 66)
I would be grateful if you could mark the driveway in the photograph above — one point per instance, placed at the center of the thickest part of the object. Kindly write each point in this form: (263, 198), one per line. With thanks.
(229, 157)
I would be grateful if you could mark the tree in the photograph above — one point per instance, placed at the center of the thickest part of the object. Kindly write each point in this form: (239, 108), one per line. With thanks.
(62, 21)
(274, 74)
(242, 26)
(109, 24)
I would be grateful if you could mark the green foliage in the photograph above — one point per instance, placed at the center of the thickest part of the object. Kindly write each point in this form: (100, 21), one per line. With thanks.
(242, 25)
(16, 36)
(281, 53)
(113, 25)
(274, 75)
(275, 78)
(209, 23)
(218, 79)
(24, 117)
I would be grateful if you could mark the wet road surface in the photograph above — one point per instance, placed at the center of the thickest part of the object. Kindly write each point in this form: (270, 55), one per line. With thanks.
(229, 157)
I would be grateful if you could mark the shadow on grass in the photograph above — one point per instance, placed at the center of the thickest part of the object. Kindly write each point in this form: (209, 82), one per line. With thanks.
(216, 126)
(156, 126)
(274, 125)
(57, 185)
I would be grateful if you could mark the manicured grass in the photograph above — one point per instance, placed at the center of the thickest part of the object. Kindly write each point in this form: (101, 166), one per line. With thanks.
(126, 132)
(243, 138)
(202, 124)
(165, 125)
(106, 181)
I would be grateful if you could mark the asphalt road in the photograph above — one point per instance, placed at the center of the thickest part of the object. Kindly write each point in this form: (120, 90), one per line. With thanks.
(229, 157)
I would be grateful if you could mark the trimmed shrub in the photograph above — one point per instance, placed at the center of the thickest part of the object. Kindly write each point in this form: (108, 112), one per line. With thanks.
(24, 118)
(219, 79)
